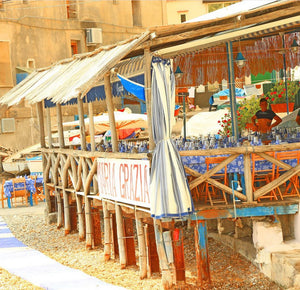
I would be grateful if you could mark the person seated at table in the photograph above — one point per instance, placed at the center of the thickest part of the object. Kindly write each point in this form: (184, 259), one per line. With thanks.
(263, 118)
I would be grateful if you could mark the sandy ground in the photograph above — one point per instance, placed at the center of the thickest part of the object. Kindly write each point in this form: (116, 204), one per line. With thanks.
(228, 269)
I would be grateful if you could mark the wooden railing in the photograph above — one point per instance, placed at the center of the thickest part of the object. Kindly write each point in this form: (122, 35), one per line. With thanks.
(246, 151)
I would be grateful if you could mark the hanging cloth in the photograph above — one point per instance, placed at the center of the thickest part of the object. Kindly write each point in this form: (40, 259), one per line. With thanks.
(169, 190)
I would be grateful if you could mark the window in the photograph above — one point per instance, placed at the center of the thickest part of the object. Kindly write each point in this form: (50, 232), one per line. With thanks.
(136, 12)
(8, 125)
(71, 9)
(182, 18)
(75, 48)
(30, 63)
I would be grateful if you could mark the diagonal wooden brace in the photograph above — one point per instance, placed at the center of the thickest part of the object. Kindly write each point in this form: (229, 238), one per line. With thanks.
(216, 183)
(217, 168)
(277, 182)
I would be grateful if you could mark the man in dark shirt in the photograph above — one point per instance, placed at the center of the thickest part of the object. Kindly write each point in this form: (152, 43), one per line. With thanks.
(264, 118)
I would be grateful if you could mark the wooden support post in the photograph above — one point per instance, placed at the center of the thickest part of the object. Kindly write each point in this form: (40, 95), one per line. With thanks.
(129, 242)
(201, 245)
(73, 217)
(46, 168)
(248, 177)
(49, 133)
(59, 209)
(147, 70)
(107, 232)
(40, 114)
(121, 239)
(66, 212)
(88, 224)
(88, 218)
(164, 262)
(91, 126)
(96, 221)
(114, 234)
(64, 177)
(81, 123)
(152, 255)
(111, 115)
(80, 212)
(179, 254)
(60, 126)
(88, 177)
(142, 248)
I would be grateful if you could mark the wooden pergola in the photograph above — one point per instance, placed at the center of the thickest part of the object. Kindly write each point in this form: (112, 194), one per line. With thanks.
(70, 176)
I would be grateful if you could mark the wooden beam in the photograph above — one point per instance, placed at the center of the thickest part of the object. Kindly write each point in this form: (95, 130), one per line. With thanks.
(80, 213)
(91, 126)
(81, 123)
(107, 232)
(111, 116)
(167, 275)
(120, 233)
(201, 245)
(187, 46)
(49, 133)
(211, 28)
(277, 162)
(211, 172)
(277, 182)
(216, 184)
(60, 126)
(40, 114)
(87, 154)
(250, 211)
(147, 70)
(248, 177)
(226, 189)
(142, 247)
(241, 150)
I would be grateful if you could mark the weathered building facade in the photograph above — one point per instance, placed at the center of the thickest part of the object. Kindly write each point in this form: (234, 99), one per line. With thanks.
(36, 34)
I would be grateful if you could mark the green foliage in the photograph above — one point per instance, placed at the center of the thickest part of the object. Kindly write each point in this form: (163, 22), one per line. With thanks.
(277, 94)
(247, 109)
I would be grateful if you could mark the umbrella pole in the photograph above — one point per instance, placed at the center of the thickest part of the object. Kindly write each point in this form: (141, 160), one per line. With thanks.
(284, 75)
(184, 119)
(235, 131)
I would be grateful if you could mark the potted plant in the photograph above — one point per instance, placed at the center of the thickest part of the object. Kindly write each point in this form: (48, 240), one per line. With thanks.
(276, 96)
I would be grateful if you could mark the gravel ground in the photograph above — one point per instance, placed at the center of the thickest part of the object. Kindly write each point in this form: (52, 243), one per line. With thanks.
(228, 269)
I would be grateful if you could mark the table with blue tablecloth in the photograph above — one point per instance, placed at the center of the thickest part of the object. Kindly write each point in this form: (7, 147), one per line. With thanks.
(8, 189)
(198, 164)
(234, 168)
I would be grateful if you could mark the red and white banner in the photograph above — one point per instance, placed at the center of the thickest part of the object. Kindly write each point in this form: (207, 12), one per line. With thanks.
(124, 180)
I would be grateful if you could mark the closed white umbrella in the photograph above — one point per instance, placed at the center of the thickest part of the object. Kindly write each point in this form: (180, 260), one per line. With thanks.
(169, 191)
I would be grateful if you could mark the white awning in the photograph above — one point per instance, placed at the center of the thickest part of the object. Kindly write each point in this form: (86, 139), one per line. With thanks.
(70, 78)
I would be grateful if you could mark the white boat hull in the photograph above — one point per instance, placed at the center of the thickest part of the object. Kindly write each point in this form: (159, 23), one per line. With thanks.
(14, 167)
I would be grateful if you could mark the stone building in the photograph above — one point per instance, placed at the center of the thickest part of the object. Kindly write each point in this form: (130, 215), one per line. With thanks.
(36, 34)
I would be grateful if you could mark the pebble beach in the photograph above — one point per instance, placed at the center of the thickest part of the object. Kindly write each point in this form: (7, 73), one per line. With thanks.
(228, 269)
